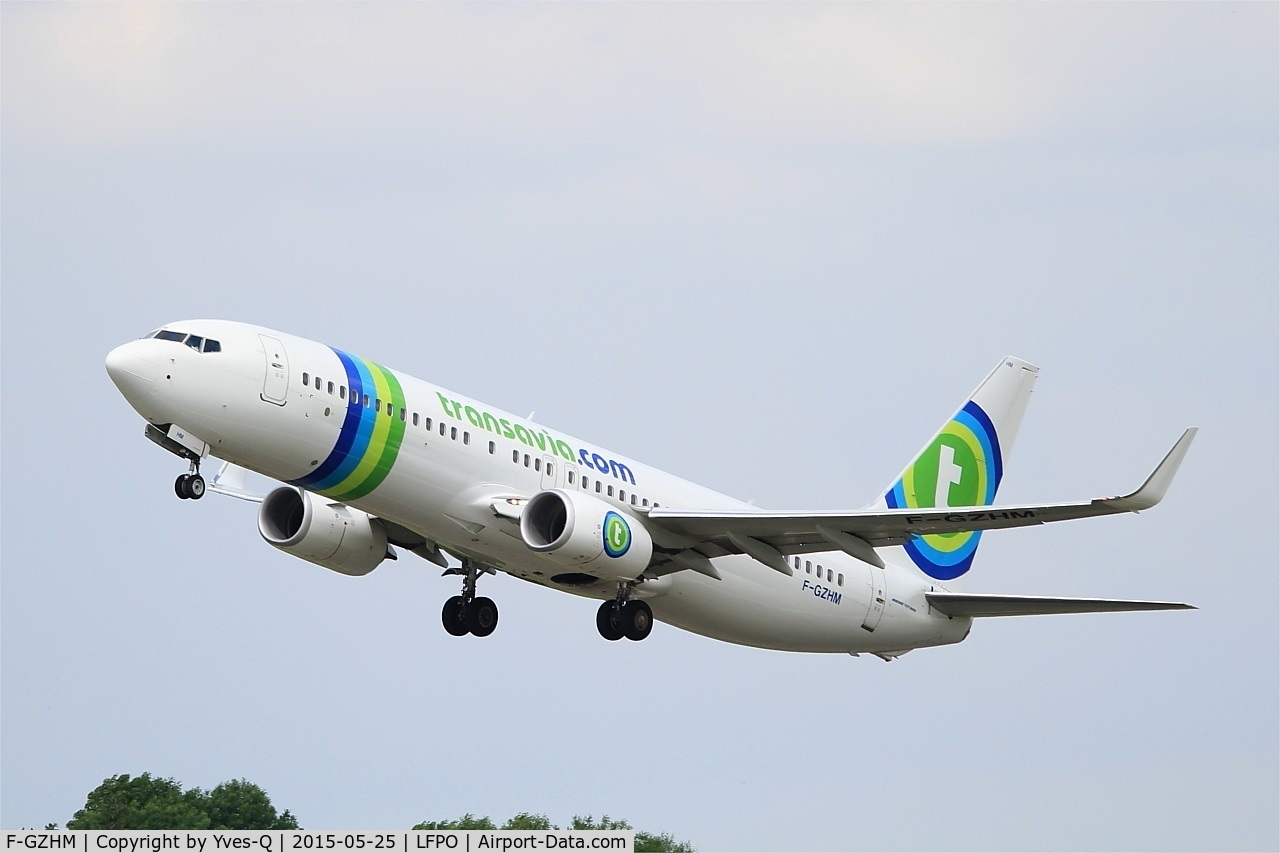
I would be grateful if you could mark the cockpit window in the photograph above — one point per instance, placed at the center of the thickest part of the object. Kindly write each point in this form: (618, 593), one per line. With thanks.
(196, 342)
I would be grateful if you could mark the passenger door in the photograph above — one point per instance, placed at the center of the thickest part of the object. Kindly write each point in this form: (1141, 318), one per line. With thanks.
(275, 382)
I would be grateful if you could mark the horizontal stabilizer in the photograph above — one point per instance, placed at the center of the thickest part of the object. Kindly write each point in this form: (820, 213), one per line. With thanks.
(978, 605)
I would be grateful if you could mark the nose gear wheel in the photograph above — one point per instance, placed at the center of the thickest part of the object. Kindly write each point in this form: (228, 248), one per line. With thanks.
(190, 486)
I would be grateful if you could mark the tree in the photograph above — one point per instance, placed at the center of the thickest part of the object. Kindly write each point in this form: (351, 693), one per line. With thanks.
(646, 842)
(148, 802)
(467, 821)
(141, 802)
(240, 804)
(524, 820)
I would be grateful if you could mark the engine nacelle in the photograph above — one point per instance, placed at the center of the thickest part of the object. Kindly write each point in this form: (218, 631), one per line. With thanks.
(321, 531)
(586, 535)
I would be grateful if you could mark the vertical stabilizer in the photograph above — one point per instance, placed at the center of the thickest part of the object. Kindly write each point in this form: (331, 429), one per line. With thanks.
(962, 465)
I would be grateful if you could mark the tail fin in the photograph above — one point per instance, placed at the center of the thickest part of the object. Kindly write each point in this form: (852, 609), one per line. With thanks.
(962, 465)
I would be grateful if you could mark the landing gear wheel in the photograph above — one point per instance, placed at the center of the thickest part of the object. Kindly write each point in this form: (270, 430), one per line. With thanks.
(637, 620)
(454, 616)
(482, 617)
(609, 621)
(180, 486)
(195, 487)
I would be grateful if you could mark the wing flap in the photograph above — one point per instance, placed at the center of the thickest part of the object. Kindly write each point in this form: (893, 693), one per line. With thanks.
(977, 605)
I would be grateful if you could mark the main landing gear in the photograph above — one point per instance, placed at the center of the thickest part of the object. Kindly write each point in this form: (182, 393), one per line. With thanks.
(190, 486)
(624, 617)
(468, 613)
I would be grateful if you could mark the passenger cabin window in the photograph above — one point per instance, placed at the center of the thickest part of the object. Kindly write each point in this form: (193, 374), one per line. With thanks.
(493, 445)
(466, 438)
(453, 433)
(317, 383)
(415, 418)
(840, 579)
(329, 388)
(515, 456)
(611, 491)
(551, 469)
(443, 427)
(342, 392)
(537, 464)
(306, 378)
(572, 478)
(427, 424)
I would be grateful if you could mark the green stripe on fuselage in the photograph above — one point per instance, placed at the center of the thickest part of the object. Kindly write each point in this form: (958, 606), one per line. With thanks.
(384, 444)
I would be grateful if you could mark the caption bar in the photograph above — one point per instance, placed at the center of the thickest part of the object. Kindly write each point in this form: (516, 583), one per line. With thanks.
(301, 841)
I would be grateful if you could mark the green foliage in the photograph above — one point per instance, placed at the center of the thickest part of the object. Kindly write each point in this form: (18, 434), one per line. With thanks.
(142, 802)
(646, 842)
(467, 821)
(524, 820)
(149, 802)
(605, 822)
(240, 804)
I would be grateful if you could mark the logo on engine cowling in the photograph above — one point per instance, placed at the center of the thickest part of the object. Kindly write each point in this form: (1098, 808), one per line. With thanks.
(617, 535)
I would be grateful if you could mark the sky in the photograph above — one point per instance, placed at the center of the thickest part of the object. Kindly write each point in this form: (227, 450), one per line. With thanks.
(767, 248)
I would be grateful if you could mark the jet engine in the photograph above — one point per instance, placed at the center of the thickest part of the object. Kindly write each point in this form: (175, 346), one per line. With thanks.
(329, 534)
(591, 538)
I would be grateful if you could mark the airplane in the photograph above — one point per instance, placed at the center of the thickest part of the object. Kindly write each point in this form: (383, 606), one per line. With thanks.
(371, 460)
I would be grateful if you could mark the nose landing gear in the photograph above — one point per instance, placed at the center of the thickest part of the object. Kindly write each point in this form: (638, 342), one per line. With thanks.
(468, 613)
(190, 486)
(624, 617)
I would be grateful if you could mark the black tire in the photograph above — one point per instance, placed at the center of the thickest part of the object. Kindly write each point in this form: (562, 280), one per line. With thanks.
(180, 486)
(609, 621)
(482, 617)
(195, 487)
(454, 616)
(637, 620)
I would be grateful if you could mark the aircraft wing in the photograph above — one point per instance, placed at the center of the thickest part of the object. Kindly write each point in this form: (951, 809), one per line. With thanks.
(768, 535)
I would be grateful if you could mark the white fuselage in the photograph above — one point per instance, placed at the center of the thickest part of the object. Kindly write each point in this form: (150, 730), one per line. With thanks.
(457, 457)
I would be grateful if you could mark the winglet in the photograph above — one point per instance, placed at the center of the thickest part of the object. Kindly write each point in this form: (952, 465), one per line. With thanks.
(1152, 491)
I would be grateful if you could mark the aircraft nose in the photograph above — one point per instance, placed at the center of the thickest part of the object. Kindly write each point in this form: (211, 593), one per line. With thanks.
(132, 371)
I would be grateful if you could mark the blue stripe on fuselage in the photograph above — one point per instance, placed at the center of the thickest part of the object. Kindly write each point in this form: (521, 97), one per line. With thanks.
(353, 439)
